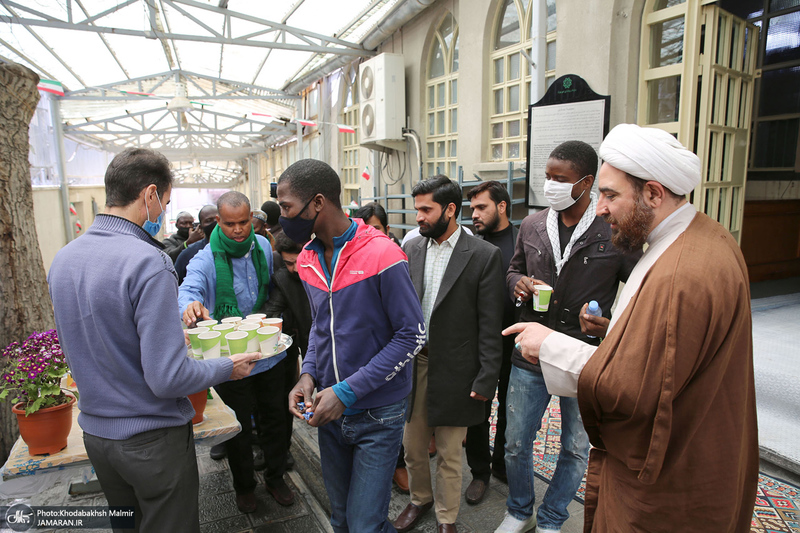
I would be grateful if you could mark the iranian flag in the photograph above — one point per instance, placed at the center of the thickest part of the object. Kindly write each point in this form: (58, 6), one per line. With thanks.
(262, 115)
(51, 86)
(72, 209)
(308, 123)
(344, 128)
(366, 174)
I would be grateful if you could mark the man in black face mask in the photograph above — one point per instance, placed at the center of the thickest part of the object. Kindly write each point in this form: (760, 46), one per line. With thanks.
(183, 237)
(459, 280)
(208, 221)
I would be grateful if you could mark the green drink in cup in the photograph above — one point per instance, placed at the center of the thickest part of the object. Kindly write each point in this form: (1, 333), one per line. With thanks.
(268, 338)
(193, 333)
(211, 342)
(237, 341)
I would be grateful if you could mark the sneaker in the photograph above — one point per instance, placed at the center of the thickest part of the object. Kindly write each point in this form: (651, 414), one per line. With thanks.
(513, 525)
(543, 530)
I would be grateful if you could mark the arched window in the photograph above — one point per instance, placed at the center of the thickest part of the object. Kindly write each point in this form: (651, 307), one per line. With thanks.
(350, 172)
(511, 75)
(441, 100)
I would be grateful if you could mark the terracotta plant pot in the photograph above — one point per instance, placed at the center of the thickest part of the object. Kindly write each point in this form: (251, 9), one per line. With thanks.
(199, 400)
(46, 431)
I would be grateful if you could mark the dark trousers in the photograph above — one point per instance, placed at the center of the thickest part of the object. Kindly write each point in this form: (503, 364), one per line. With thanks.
(480, 458)
(155, 472)
(267, 391)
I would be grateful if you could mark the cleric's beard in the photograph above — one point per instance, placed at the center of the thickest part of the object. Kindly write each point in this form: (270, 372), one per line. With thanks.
(633, 228)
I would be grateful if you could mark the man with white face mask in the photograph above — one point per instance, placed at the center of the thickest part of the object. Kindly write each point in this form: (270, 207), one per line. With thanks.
(568, 248)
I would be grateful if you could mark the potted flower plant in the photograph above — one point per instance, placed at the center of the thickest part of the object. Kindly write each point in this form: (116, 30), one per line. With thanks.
(31, 378)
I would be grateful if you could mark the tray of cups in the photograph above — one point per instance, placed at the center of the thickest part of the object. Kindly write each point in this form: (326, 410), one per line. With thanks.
(283, 343)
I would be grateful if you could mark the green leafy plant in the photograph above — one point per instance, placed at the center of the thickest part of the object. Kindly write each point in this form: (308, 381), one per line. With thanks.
(32, 372)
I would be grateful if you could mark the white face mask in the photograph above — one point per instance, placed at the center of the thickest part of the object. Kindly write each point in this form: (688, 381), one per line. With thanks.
(560, 194)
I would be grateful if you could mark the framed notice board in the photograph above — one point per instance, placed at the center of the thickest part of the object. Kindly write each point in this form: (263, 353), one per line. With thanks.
(569, 111)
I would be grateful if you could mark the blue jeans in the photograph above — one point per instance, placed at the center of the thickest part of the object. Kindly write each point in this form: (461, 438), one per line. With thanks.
(359, 454)
(527, 400)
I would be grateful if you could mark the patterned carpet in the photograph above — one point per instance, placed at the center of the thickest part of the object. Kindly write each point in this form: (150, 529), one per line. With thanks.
(777, 508)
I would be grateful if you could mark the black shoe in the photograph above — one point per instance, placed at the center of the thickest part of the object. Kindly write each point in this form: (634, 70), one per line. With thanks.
(289, 461)
(259, 463)
(217, 452)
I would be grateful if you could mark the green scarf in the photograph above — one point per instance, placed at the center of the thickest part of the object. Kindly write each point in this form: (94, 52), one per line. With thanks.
(224, 249)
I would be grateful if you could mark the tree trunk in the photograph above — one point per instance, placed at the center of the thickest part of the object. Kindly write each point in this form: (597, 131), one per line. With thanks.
(25, 304)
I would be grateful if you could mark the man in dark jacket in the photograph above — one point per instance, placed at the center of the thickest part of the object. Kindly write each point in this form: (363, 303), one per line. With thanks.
(208, 221)
(288, 300)
(185, 235)
(458, 279)
(567, 247)
(491, 206)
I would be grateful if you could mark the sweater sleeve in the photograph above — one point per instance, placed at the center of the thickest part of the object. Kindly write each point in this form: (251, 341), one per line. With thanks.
(402, 306)
(167, 370)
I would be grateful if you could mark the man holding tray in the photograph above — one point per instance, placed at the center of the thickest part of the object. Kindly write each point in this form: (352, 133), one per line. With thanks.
(231, 278)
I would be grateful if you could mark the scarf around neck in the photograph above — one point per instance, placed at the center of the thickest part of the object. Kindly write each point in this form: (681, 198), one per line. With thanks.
(552, 232)
(224, 249)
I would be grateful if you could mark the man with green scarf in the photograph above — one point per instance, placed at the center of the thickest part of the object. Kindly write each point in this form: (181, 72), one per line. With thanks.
(231, 276)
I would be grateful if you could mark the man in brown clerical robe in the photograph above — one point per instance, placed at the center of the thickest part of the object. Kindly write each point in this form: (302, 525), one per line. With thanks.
(668, 398)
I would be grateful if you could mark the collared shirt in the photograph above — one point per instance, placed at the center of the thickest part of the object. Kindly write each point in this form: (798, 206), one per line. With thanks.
(200, 283)
(437, 257)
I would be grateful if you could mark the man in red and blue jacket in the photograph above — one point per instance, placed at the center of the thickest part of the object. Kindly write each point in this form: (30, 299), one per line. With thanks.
(367, 328)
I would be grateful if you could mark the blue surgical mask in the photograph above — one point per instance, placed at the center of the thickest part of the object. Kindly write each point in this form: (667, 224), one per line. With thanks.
(299, 229)
(153, 227)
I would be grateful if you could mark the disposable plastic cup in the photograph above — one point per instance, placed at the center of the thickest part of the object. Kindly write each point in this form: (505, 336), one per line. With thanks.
(254, 321)
(256, 316)
(277, 322)
(207, 323)
(211, 343)
(237, 341)
(223, 328)
(268, 338)
(193, 333)
(252, 341)
(235, 320)
(541, 301)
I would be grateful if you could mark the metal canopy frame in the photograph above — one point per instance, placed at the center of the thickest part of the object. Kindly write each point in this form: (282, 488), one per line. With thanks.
(113, 116)
(310, 41)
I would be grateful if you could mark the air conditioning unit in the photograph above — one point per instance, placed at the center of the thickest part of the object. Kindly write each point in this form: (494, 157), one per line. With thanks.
(382, 90)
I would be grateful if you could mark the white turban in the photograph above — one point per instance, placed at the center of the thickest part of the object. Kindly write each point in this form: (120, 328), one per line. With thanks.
(652, 154)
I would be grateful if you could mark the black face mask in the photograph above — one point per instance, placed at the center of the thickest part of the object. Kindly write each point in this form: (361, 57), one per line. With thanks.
(183, 233)
(299, 229)
(208, 229)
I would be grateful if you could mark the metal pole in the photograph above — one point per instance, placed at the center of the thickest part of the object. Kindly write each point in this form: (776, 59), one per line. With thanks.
(299, 130)
(58, 133)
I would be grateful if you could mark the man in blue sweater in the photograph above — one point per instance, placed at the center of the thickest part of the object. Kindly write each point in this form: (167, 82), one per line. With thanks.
(114, 293)
(231, 278)
(366, 329)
